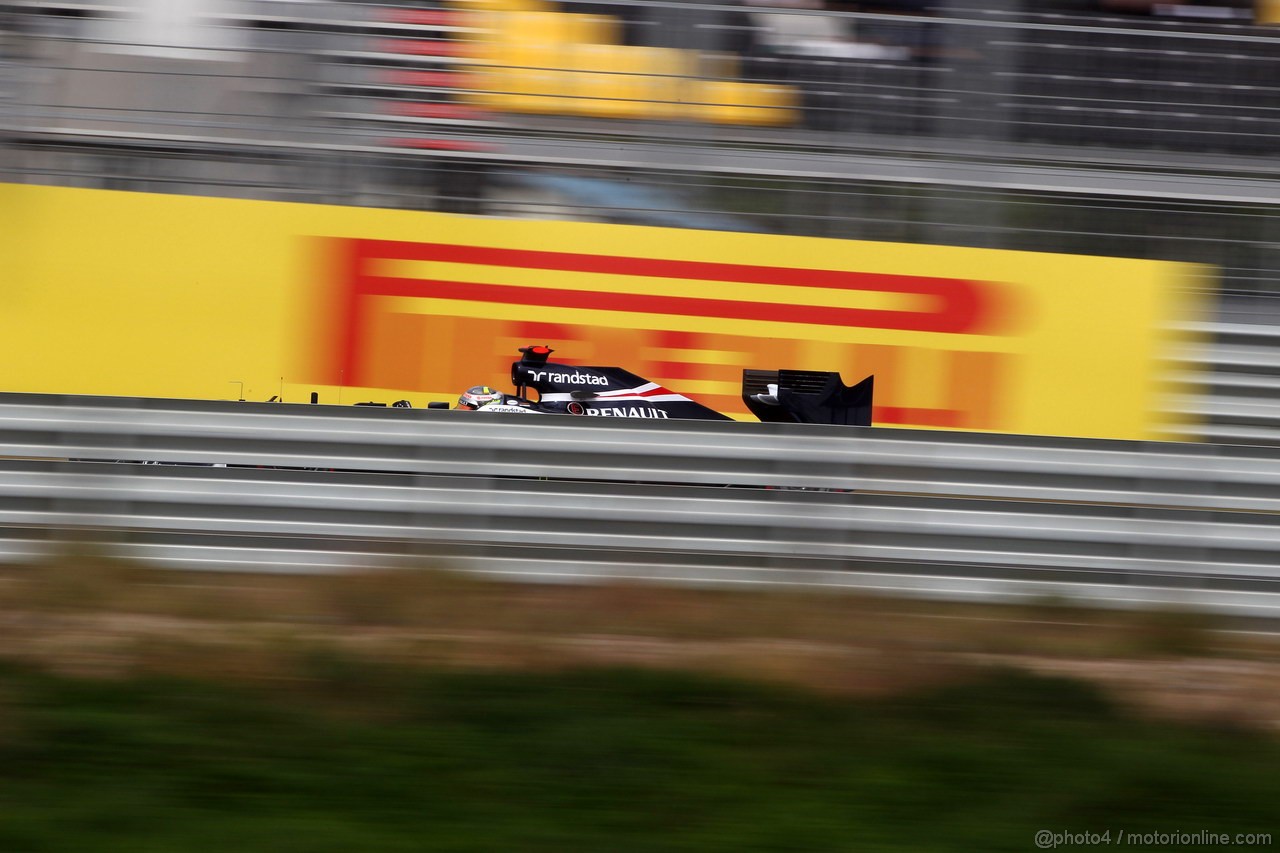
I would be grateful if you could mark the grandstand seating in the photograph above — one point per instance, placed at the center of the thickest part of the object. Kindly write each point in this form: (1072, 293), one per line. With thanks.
(542, 61)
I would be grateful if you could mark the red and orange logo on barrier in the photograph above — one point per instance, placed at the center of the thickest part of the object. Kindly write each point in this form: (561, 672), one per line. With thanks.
(385, 318)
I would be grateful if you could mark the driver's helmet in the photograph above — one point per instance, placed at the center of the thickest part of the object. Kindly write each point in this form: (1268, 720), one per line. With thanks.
(477, 396)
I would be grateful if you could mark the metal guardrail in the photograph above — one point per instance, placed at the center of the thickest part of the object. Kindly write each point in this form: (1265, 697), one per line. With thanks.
(1239, 397)
(951, 515)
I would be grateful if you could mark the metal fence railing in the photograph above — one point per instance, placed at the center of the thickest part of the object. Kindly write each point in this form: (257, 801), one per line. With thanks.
(1126, 136)
(996, 126)
(960, 516)
(1237, 369)
(665, 68)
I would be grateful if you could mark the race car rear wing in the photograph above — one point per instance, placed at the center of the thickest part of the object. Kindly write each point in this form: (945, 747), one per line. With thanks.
(807, 397)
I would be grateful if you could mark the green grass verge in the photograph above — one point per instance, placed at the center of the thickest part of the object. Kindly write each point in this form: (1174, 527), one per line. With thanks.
(362, 759)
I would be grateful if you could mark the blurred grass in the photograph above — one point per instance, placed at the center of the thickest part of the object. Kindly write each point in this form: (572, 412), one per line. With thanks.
(353, 756)
(427, 710)
(88, 614)
(429, 598)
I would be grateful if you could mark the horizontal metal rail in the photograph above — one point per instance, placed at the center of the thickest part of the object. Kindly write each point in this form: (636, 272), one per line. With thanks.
(1238, 395)
(952, 515)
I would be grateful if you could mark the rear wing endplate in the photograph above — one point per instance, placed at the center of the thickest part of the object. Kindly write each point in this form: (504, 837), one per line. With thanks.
(807, 397)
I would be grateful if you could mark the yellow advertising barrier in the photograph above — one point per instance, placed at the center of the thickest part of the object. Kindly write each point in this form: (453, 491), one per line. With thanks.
(174, 296)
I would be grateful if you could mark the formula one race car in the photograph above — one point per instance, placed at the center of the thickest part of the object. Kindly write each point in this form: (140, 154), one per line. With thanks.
(778, 396)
